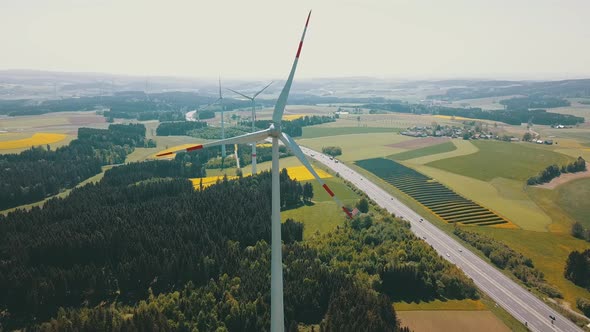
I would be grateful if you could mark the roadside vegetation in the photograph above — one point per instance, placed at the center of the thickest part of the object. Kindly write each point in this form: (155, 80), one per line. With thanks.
(577, 268)
(506, 258)
(332, 150)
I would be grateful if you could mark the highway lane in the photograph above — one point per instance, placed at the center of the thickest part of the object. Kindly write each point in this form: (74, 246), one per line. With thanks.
(518, 301)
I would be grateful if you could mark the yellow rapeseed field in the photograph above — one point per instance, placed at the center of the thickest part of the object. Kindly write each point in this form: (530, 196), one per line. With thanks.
(36, 139)
(302, 174)
(209, 181)
(292, 116)
(448, 117)
(298, 172)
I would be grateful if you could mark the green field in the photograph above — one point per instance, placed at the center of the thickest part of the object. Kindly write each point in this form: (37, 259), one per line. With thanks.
(548, 252)
(324, 215)
(506, 197)
(318, 131)
(356, 147)
(573, 198)
(463, 148)
(516, 161)
(427, 151)
(445, 203)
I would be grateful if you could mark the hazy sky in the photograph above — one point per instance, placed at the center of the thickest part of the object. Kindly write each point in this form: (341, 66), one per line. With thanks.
(258, 38)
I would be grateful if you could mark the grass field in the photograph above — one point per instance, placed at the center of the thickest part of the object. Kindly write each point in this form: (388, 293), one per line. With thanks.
(34, 140)
(548, 252)
(573, 198)
(324, 215)
(506, 197)
(427, 151)
(515, 161)
(317, 131)
(463, 148)
(361, 146)
(445, 203)
(437, 320)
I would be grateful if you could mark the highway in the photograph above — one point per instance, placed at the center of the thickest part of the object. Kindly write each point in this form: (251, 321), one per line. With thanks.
(518, 301)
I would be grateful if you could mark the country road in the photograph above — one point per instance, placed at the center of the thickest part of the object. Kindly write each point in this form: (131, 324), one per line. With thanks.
(518, 301)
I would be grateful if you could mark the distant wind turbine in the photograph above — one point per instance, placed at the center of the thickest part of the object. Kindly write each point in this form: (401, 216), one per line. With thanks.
(277, 322)
(220, 100)
(253, 120)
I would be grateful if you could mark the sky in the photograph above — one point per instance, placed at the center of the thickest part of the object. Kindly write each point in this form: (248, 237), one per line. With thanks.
(398, 39)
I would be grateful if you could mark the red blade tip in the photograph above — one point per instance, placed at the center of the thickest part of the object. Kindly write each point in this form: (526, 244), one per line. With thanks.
(192, 148)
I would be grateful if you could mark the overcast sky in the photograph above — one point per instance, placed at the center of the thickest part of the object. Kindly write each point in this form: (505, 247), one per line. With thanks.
(258, 38)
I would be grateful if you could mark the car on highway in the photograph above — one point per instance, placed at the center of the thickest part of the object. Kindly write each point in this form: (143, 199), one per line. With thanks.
(448, 255)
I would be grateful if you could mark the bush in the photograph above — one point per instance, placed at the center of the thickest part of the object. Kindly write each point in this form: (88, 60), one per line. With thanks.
(363, 205)
(584, 305)
(332, 150)
(549, 290)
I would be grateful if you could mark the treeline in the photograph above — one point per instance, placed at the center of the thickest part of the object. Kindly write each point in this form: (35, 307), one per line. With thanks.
(293, 128)
(482, 89)
(37, 173)
(332, 150)
(579, 231)
(518, 103)
(577, 268)
(507, 259)
(554, 171)
(141, 250)
(178, 128)
(513, 117)
(384, 254)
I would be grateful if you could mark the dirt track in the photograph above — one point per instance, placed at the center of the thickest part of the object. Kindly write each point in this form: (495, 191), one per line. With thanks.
(419, 142)
(565, 178)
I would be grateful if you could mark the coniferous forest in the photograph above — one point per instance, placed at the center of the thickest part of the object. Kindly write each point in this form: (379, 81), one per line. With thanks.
(143, 251)
(40, 172)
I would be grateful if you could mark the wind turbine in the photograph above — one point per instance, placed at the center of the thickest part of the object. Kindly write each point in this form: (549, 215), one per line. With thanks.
(220, 100)
(253, 120)
(277, 322)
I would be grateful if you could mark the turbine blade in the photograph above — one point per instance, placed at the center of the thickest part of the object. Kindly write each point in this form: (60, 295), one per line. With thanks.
(277, 115)
(241, 94)
(220, 97)
(259, 92)
(290, 143)
(242, 139)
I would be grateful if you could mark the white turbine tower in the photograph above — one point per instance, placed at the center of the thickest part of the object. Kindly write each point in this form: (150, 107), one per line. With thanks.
(222, 123)
(277, 322)
(253, 120)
